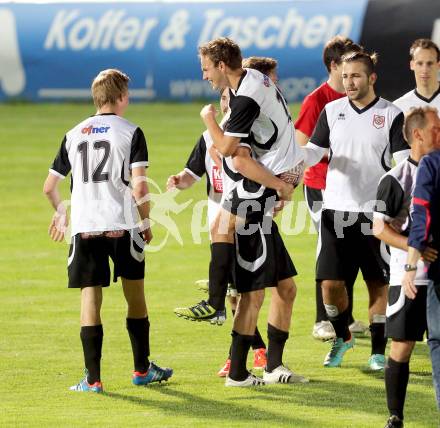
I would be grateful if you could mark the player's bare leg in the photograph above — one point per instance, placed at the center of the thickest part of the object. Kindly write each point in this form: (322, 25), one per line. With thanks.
(138, 327)
(378, 296)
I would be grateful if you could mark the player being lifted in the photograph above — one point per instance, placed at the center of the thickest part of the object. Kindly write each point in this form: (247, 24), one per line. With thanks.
(103, 152)
(259, 121)
(271, 142)
(205, 159)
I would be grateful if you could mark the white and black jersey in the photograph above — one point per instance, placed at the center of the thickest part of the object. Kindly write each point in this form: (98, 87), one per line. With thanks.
(199, 163)
(361, 144)
(393, 204)
(260, 117)
(100, 152)
(414, 99)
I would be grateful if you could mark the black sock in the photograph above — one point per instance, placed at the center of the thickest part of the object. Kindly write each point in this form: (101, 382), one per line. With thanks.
(91, 338)
(349, 285)
(321, 314)
(258, 341)
(220, 267)
(378, 338)
(340, 324)
(241, 344)
(277, 339)
(230, 347)
(139, 332)
(396, 382)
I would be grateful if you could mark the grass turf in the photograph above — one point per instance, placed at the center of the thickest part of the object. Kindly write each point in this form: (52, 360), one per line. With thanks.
(40, 350)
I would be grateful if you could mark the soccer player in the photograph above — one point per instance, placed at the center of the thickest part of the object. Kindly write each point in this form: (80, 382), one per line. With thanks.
(103, 152)
(362, 132)
(425, 57)
(425, 229)
(254, 184)
(406, 318)
(259, 121)
(314, 177)
(202, 161)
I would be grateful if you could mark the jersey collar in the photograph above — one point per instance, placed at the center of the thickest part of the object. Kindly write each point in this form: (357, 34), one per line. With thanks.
(367, 107)
(411, 160)
(427, 100)
(239, 82)
(103, 114)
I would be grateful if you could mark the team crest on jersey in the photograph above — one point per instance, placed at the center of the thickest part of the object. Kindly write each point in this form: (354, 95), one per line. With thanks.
(266, 81)
(217, 182)
(378, 121)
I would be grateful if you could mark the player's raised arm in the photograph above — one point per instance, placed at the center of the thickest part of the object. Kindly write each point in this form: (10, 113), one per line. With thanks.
(225, 144)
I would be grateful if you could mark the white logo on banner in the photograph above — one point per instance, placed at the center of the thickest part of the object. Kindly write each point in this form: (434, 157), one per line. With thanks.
(12, 76)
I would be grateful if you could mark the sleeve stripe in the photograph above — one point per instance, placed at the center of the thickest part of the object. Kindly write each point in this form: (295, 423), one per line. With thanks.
(236, 134)
(138, 164)
(53, 172)
(425, 204)
(192, 174)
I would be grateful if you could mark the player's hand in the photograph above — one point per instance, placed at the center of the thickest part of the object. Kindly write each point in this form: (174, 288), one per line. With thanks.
(430, 254)
(208, 111)
(147, 235)
(286, 191)
(278, 207)
(215, 157)
(173, 182)
(58, 226)
(408, 284)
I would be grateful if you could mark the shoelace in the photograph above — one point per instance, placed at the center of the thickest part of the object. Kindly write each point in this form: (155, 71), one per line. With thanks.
(335, 348)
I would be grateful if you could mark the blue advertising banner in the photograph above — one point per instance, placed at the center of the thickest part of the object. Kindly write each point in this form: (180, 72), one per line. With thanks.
(53, 51)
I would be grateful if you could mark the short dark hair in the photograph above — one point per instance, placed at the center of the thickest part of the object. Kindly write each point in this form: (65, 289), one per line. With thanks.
(336, 48)
(264, 65)
(222, 49)
(369, 60)
(424, 44)
(416, 118)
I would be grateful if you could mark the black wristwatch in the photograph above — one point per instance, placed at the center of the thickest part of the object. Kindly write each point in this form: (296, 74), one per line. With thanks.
(409, 268)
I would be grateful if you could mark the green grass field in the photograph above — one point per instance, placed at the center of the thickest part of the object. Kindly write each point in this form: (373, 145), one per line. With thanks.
(40, 352)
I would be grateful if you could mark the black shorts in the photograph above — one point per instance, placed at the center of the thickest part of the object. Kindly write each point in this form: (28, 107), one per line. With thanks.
(314, 200)
(250, 201)
(406, 318)
(261, 260)
(346, 244)
(88, 263)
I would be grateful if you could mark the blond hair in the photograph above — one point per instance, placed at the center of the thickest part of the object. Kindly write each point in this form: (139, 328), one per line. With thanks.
(109, 86)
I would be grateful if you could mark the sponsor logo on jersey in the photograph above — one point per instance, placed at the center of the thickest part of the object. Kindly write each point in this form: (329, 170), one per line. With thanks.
(217, 182)
(341, 116)
(378, 121)
(95, 130)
